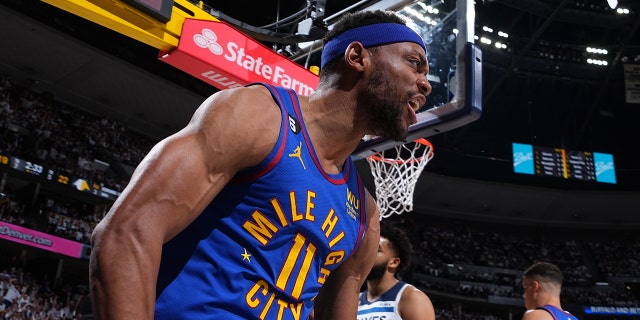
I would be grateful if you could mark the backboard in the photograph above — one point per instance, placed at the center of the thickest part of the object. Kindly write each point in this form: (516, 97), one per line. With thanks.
(455, 70)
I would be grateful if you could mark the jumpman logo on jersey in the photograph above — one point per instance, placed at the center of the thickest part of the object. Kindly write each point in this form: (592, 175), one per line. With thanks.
(298, 154)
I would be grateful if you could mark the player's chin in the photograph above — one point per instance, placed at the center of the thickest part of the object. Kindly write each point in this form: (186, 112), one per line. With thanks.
(400, 134)
(404, 127)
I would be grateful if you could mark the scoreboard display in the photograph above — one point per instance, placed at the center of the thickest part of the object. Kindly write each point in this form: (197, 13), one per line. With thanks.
(563, 163)
(48, 174)
(36, 170)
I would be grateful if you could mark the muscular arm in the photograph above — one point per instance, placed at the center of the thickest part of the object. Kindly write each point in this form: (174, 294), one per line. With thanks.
(168, 190)
(416, 305)
(338, 298)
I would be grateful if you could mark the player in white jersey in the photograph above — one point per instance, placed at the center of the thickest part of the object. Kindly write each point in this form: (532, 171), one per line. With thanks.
(386, 297)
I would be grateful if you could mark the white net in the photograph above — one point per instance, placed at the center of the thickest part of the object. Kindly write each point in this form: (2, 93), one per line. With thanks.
(395, 173)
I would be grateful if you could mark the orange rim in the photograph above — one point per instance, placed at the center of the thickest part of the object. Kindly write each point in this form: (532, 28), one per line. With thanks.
(423, 141)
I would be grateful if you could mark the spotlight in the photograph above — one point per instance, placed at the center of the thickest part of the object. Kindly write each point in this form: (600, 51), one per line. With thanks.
(612, 3)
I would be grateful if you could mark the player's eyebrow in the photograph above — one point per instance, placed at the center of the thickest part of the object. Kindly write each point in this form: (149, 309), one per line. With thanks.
(421, 56)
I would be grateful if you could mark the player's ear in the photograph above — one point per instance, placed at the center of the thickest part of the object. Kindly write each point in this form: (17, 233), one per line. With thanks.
(355, 55)
(394, 262)
(536, 285)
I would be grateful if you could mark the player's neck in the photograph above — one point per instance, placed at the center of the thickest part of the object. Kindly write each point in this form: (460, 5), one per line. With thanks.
(549, 300)
(376, 288)
(330, 124)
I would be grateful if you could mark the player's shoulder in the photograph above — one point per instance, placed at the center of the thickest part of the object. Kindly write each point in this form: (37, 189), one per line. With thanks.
(536, 314)
(240, 103)
(415, 304)
(411, 292)
(244, 121)
(255, 92)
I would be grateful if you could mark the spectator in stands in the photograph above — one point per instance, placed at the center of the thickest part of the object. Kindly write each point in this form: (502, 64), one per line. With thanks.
(11, 292)
(542, 284)
(69, 310)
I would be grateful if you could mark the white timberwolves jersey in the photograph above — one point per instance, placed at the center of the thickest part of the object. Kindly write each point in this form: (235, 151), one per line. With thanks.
(385, 307)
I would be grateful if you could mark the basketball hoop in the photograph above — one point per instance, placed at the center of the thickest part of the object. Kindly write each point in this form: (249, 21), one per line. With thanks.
(395, 173)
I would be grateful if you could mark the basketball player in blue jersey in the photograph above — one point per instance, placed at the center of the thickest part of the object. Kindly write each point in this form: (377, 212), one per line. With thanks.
(386, 297)
(542, 284)
(255, 209)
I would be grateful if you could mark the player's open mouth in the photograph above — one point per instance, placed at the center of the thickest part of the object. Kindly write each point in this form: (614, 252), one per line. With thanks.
(413, 106)
(417, 101)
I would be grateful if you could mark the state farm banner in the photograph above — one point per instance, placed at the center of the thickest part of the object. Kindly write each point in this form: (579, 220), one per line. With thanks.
(224, 57)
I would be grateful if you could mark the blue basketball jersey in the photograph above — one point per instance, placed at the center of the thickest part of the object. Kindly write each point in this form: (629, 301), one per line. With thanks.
(264, 246)
(385, 307)
(557, 313)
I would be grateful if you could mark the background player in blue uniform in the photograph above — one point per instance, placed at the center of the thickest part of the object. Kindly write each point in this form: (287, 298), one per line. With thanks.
(184, 194)
(386, 297)
(542, 284)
